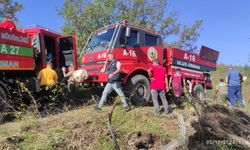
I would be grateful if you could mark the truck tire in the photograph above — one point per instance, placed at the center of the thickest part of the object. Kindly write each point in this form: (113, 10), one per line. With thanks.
(199, 92)
(2, 104)
(138, 90)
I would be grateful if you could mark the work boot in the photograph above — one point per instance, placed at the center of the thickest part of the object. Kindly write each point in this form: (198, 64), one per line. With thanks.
(97, 108)
(127, 109)
(157, 113)
(170, 110)
(181, 106)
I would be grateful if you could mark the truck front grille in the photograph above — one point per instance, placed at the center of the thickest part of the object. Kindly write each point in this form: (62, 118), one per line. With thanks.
(92, 70)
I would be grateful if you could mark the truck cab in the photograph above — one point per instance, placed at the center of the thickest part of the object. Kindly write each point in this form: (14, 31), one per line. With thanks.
(135, 48)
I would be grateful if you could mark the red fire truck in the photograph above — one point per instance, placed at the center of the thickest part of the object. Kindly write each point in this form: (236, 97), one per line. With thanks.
(135, 48)
(23, 54)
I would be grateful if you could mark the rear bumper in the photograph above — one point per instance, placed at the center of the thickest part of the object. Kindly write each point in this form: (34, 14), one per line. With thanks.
(94, 73)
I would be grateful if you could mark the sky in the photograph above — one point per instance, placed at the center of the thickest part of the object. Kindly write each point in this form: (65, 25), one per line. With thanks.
(226, 23)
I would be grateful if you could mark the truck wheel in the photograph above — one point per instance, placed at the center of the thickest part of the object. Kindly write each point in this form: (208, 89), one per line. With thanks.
(199, 91)
(2, 104)
(138, 90)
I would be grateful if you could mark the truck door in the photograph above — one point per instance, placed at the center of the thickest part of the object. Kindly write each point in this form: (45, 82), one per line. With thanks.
(67, 51)
(36, 44)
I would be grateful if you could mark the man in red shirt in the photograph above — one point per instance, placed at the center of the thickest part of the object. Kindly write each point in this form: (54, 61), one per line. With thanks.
(158, 85)
(177, 79)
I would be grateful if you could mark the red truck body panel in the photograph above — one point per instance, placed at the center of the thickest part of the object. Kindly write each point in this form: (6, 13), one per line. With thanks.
(181, 58)
(132, 59)
(191, 64)
(16, 52)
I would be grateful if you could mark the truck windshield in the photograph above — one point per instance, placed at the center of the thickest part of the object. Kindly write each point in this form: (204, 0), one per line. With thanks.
(100, 40)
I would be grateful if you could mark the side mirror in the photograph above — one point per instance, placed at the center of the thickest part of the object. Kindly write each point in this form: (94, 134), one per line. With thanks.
(128, 31)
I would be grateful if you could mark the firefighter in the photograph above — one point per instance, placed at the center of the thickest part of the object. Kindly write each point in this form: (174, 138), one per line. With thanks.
(178, 82)
(48, 79)
(47, 76)
(113, 67)
(158, 85)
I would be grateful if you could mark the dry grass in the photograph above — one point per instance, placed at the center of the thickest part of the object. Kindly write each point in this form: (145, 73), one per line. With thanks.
(85, 128)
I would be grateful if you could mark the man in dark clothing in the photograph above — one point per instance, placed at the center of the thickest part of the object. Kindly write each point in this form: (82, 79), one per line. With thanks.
(178, 82)
(177, 79)
(233, 80)
(113, 68)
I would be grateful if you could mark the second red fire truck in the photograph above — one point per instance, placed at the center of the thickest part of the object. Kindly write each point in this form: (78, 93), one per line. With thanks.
(135, 48)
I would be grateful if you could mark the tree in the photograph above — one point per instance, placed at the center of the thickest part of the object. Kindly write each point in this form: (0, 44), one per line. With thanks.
(188, 36)
(85, 16)
(8, 9)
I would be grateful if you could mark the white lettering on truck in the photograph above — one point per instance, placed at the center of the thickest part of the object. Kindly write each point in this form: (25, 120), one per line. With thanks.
(102, 55)
(194, 66)
(4, 49)
(187, 64)
(182, 63)
(13, 37)
(189, 57)
(130, 53)
(9, 64)
(11, 49)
